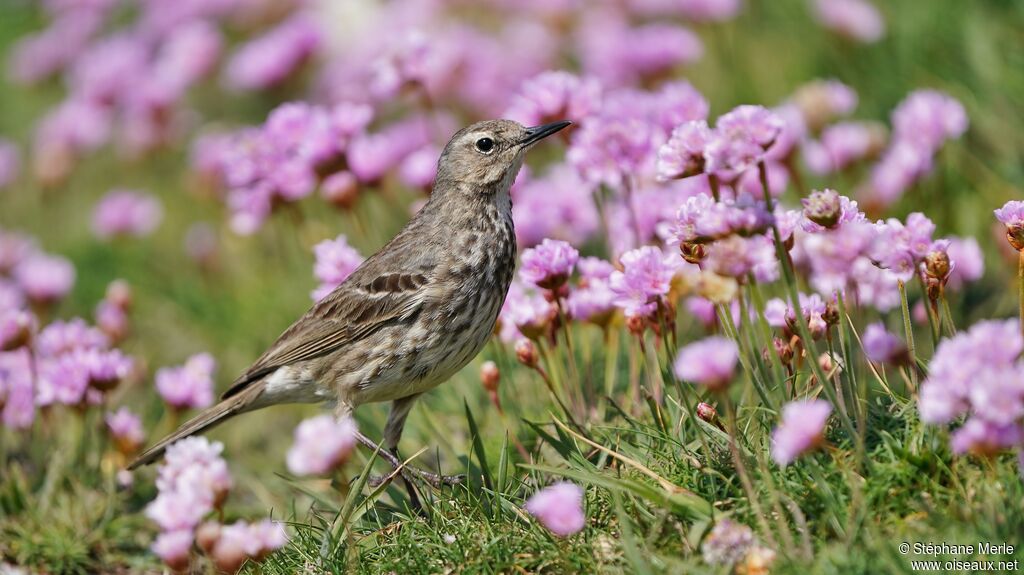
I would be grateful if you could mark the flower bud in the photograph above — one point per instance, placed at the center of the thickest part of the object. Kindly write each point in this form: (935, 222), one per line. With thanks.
(490, 376)
(207, 535)
(783, 350)
(636, 324)
(692, 252)
(937, 265)
(340, 189)
(708, 413)
(229, 555)
(526, 353)
(823, 208)
(119, 293)
(1015, 235)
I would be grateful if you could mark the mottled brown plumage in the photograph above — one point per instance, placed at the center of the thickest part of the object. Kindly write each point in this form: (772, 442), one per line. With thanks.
(412, 314)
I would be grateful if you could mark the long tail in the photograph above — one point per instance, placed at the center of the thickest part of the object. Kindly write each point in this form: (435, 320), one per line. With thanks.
(210, 417)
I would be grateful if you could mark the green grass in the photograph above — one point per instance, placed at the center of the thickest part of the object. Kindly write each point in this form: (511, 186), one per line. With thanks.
(61, 512)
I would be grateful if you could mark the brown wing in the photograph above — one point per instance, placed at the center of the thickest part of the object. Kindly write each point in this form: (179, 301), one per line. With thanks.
(353, 311)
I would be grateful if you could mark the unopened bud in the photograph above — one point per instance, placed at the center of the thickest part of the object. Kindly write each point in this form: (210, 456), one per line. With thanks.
(490, 376)
(526, 352)
(207, 535)
(340, 189)
(1015, 235)
(783, 350)
(831, 314)
(636, 324)
(823, 208)
(229, 555)
(937, 265)
(119, 293)
(16, 330)
(706, 412)
(692, 252)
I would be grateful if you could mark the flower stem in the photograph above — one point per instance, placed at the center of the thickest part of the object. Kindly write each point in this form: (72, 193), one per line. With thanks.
(1020, 285)
(909, 331)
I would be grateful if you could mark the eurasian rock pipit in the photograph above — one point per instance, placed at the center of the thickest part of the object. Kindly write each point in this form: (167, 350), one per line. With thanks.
(412, 314)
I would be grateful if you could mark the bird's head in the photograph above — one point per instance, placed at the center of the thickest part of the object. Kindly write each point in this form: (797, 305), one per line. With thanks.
(487, 155)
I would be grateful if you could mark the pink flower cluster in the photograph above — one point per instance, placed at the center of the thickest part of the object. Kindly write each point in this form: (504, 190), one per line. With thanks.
(335, 261)
(189, 385)
(802, 429)
(978, 374)
(192, 481)
(559, 508)
(126, 213)
(322, 444)
(230, 546)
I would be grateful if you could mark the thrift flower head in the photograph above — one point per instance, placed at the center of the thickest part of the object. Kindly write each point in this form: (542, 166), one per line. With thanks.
(322, 444)
(525, 313)
(593, 300)
(192, 481)
(645, 278)
(740, 140)
(190, 385)
(728, 543)
(270, 59)
(126, 429)
(855, 19)
(559, 508)
(802, 429)
(335, 261)
(683, 155)
(45, 279)
(1012, 216)
(174, 548)
(709, 362)
(550, 264)
(126, 213)
(240, 542)
(554, 96)
(967, 261)
(880, 345)
(16, 328)
(822, 101)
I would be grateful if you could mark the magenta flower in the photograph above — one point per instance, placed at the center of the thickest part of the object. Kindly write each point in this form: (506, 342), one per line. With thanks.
(549, 264)
(126, 213)
(322, 444)
(16, 328)
(826, 209)
(558, 205)
(17, 395)
(192, 481)
(623, 55)
(968, 372)
(272, 58)
(843, 145)
(1012, 216)
(555, 96)
(645, 278)
(60, 337)
(559, 508)
(801, 430)
(189, 385)
(419, 169)
(240, 541)
(126, 429)
(710, 362)
(701, 219)
(593, 300)
(854, 19)
(174, 548)
(524, 313)
(880, 345)
(901, 248)
(967, 262)
(44, 278)
(335, 261)
(981, 437)
(683, 155)
(740, 140)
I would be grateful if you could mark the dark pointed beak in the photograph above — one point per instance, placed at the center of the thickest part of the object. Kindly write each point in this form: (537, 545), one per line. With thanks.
(537, 133)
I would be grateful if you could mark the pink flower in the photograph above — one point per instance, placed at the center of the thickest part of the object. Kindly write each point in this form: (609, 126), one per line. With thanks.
(855, 19)
(126, 213)
(192, 481)
(16, 328)
(322, 444)
(550, 264)
(967, 262)
(880, 345)
(17, 390)
(646, 277)
(126, 429)
(44, 278)
(242, 541)
(335, 261)
(740, 140)
(190, 385)
(174, 548)
(985, 438)
(683, 155)
(272, 58)
(558, 205)
(728, 543)
(559, 508)
(524, 313)
(709, 362)
(1012, 216)
(555, 96)
(802, 429)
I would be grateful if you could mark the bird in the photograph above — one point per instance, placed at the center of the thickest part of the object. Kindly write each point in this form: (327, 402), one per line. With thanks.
(411, 315)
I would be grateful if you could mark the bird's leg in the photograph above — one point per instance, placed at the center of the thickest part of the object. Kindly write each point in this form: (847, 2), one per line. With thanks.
(433, 479)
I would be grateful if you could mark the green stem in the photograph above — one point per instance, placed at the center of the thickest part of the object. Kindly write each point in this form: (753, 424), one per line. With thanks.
(908, 329)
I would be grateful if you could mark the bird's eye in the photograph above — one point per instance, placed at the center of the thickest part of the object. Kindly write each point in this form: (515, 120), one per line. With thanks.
(485, 145)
